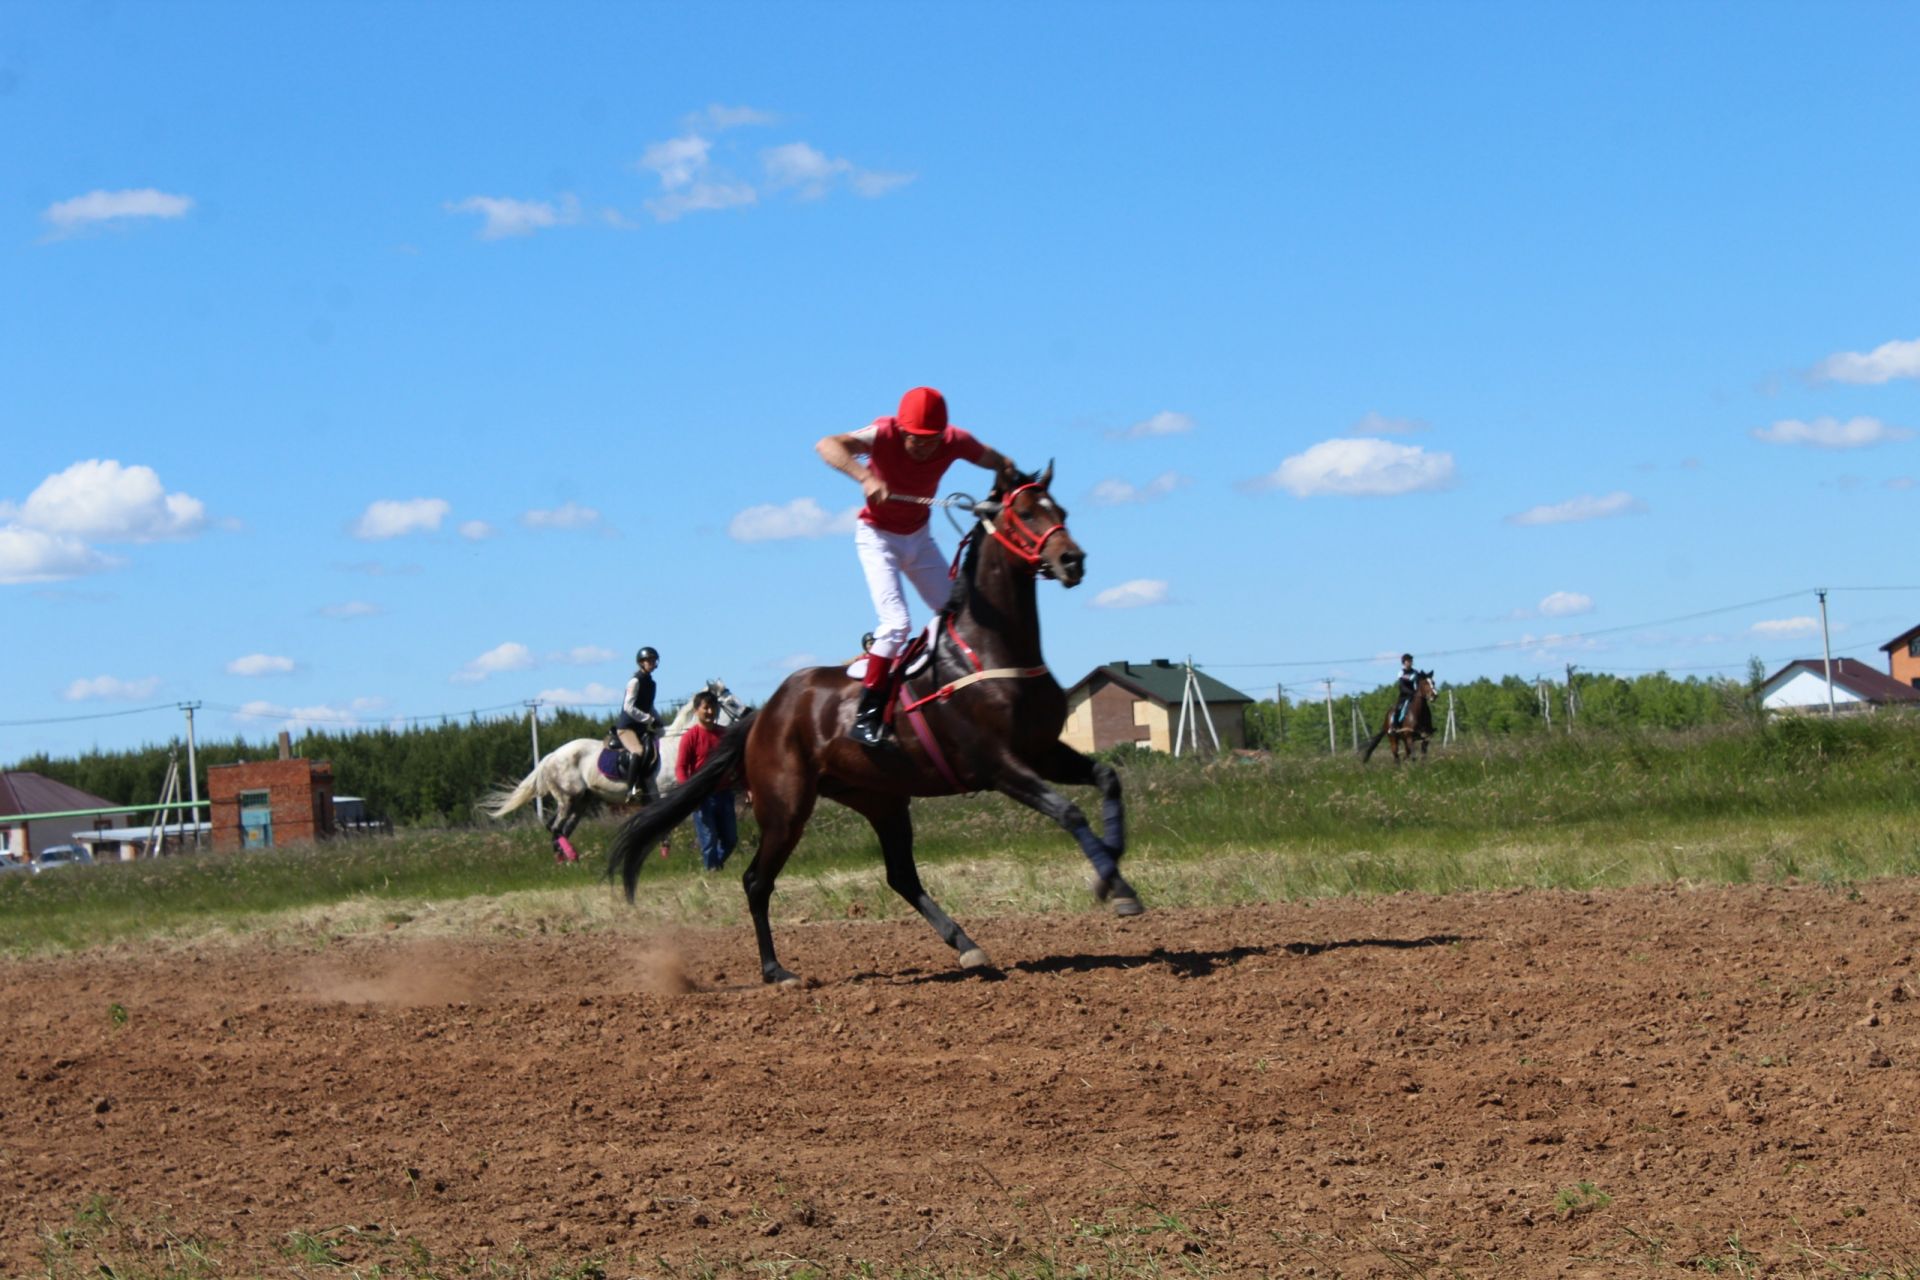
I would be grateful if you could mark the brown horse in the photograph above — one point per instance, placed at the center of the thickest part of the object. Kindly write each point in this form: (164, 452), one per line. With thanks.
(984, 715)
(1415, 725)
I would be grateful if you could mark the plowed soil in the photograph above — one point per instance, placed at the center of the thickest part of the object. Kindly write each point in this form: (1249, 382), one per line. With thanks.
(1527, 1083)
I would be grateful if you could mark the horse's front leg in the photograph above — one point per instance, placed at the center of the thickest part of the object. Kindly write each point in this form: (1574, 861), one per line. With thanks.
(893, 823)
(560, 826)
(1065, 765)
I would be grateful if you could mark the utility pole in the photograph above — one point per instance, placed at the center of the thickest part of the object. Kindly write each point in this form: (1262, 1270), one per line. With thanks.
(193, 770)
(533, 723)
(1331, 747)
(1452, 732)
(1826, 647)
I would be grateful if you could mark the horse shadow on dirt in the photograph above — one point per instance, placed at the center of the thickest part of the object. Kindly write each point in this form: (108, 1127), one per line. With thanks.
(1182, 964)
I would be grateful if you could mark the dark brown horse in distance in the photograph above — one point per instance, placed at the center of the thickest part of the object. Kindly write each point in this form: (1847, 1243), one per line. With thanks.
(1415, 725)
(984, 715)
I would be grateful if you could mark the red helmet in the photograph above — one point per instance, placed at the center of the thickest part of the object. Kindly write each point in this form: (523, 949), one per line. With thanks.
(923, 412)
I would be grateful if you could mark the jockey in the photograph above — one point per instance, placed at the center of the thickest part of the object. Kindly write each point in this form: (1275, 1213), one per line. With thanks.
(1409, 685)
(637, 718)
(905, 457)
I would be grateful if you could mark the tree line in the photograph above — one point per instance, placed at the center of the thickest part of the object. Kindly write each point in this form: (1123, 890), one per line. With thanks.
(1512, 706)
(422, 775)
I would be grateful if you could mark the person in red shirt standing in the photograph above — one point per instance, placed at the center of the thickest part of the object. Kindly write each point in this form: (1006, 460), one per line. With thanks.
(905, 457)
(713, 821)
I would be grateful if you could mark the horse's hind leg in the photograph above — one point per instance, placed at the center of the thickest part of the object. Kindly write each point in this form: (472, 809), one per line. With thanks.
(782, 808)
(893, 823)
(560, 826)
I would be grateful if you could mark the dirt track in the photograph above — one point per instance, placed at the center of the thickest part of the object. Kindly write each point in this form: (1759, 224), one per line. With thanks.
(1512, 1084)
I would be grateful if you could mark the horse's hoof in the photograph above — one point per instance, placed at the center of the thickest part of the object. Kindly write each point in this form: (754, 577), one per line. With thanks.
(975, 958)
(779, 977)
(1127, 906)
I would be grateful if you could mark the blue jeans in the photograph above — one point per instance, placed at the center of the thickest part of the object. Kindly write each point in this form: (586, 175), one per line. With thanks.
(717, 829)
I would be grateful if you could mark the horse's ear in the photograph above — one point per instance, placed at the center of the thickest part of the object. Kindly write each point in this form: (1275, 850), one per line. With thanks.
(988, 510)
(1046, 477)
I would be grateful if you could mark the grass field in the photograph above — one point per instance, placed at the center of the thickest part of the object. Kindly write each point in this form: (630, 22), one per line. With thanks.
(1807, 799)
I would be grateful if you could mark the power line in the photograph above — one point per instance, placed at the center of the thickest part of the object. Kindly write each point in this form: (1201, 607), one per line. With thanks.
(98, 715)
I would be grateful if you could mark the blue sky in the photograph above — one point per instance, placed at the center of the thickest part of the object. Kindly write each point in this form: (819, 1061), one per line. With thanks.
(365, 362)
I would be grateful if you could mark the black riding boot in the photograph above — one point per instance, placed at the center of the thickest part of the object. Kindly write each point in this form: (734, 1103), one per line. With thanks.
(869, 727)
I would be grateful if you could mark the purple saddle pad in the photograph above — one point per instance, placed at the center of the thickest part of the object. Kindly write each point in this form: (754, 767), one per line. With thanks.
(610, 764)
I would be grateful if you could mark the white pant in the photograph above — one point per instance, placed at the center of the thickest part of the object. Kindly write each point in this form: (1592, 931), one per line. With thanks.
(884, 558)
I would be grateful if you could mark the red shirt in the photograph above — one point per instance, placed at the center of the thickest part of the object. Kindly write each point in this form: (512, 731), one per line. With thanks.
(887, 458)
(696, 744)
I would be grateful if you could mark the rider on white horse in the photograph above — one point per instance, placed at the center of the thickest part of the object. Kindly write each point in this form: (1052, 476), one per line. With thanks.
(638, 722)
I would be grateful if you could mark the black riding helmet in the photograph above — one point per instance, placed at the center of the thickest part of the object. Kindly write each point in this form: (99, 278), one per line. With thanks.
(647, 654)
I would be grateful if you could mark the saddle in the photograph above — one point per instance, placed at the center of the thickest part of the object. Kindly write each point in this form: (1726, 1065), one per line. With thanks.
(908, 663)
(615, 760)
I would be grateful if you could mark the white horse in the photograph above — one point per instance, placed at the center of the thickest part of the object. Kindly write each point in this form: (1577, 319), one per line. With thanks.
(570, 774)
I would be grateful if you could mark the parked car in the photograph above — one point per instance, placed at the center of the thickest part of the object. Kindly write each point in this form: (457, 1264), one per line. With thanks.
(61, 855)
(9, 864)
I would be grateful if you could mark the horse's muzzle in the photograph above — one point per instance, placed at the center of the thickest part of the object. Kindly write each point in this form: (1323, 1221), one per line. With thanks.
(1072, 567)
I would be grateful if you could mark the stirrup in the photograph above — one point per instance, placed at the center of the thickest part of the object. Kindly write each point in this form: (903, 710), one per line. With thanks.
(869, 729)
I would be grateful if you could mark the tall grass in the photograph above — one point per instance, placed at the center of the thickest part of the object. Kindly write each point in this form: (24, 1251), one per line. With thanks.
(1822, 800)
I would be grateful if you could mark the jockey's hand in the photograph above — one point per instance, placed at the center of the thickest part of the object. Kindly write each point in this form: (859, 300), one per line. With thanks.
(876, 490)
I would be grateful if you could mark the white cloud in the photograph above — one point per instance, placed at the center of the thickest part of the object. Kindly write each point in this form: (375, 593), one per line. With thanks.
(1565, 604)
(1831, 433)
(568, 515)
(1132, 595)
(701, 197)
(1554, 643)
(476, 530)
(1377, 424)
(1884, 363)
(260, 664)
(1164, 423)
(99, 207)
(800, 661)
(510, 656)
(798, 165)
(801, 518)
(584, 655)
(1113, 493)
(503, 217)
(871, 184)
(111, 687)
(102, 500)
(1786, 628)
(718, 119)
(1584, 507)
(392, 517)
(1899, 482)
(350, 609)
(1360, 468)
(677, 161)
(300, 719)
(32, 555)
(593, 694)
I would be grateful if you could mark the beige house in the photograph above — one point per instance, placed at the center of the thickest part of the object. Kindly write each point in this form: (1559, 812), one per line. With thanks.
(1139, 702)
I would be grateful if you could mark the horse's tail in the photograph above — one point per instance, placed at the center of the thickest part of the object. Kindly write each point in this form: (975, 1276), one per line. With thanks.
(501, 801)
(638, 833)
(1366, 752)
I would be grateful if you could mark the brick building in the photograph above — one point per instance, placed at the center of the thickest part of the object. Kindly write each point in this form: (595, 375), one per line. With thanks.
(1140, 702)
(270, 803)
(1903, 657)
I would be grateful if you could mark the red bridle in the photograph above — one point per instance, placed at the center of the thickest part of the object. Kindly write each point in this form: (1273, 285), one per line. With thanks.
(1020, 537)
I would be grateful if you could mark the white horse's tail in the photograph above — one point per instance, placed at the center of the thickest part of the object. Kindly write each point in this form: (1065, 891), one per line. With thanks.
(500, 801)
